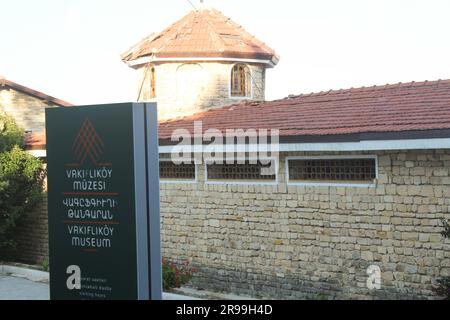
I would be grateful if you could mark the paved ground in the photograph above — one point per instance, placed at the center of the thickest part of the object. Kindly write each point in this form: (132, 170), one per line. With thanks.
(13, 288)
(23, 282)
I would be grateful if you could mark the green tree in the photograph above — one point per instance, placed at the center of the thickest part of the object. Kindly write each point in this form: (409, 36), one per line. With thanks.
(21, 181)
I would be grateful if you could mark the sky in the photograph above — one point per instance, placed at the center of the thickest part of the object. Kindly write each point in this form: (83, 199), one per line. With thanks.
(71, 49)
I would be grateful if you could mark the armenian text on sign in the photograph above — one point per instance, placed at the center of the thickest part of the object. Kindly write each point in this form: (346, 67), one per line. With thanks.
(103, 192)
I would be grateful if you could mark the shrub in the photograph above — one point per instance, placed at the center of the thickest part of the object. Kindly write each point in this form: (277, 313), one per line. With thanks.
(21, 181)
(446, 232)
(45, 265)
(443, 288)
(10, 134)
(176, 275)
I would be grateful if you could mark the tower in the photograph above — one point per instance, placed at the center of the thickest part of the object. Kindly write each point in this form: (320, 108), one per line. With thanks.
(203, 61)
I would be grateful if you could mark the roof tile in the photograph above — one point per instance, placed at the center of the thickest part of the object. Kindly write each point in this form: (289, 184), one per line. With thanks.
(7, 83)
(378, 109)
(387, 108)
(204, 32)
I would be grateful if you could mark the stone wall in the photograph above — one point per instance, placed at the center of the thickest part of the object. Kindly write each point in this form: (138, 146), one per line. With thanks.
(28, 111)
(314, 242)
(186, 88)
(307, 242)
(32, 237)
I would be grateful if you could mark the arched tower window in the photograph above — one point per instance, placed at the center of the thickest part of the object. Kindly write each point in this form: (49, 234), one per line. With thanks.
(191, 81)
(152, 83)
(240, 81)
(147, 86)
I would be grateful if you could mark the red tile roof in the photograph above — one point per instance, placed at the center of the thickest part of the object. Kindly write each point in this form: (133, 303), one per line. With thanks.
(401, 108)
(204, 32)
(378, 109)
(58, 102)
(35, 140)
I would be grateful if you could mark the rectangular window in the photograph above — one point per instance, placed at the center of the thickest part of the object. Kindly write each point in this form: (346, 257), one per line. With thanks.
(339, 170)
(169, 171)
(240, 172)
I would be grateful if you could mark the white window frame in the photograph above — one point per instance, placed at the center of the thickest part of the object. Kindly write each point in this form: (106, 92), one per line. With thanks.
(251, 83)
(331, 184)
(243, 182)
(179, 181)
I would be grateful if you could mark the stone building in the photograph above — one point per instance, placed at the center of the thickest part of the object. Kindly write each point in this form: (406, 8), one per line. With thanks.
(362, 179)
(27, 107)
(362, 184)
(200, 62)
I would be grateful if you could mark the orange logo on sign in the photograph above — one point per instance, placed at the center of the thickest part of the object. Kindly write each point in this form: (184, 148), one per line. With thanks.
(88, 143)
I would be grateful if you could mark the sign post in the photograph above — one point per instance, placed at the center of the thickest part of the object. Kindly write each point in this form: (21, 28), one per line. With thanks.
(103, 202)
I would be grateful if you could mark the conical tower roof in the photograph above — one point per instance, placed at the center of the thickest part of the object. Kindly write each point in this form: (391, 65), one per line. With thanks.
(203, 33)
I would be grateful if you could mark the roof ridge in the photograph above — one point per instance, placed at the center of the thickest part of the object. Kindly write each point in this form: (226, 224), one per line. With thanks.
(251, 37)
(215, 34)
(177, 31)
(34, 93)
(369, 88)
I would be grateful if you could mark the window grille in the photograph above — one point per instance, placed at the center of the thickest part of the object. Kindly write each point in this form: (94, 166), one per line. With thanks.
(170, 170)
(248, 171)
(354, 170)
